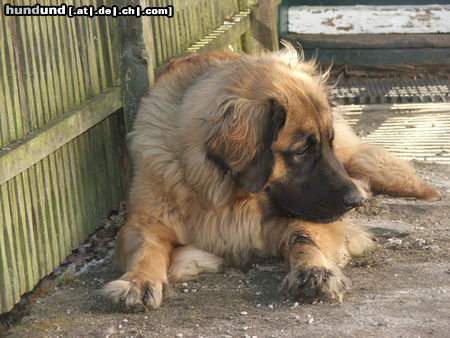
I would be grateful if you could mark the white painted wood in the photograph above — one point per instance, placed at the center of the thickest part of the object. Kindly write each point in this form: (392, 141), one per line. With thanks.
(369, 19)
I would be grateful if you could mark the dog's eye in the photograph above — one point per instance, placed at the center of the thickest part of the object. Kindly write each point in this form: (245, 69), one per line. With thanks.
(300, 153)
(303, 151)
(302, 148)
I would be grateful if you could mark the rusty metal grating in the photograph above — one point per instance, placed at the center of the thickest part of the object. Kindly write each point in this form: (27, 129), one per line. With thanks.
(392, 91)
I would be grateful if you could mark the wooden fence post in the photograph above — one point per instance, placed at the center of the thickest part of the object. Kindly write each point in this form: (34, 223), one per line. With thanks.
(135, 77)
(264, 25)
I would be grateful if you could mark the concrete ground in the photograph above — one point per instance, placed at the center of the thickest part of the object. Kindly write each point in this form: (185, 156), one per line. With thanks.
(400, 289)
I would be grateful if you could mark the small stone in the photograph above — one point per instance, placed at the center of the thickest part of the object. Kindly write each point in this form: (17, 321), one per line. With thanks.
(185, 291)
(296, 305)
(184, 284)
(395, 241)
(244, 313)
(297, 318)
(421, 242)
(193, 290)
(258, 305)
(125, 320)
(179, 335)
(244, 328)
(310, 319)
(120, 326)
(270, 306)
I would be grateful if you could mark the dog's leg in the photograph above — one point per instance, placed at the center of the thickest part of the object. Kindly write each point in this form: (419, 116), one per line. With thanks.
(143, 253)
(316, 253)
(188, 261)
(380, 170)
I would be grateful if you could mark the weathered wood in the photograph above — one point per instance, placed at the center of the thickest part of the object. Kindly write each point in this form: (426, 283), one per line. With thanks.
(75, 191)
(264, 25)
(8, 242)
(6, 298)
(134, 69)
(377, 57)
(28, 151)
(407, 19)
(371, 41)
(30, 247)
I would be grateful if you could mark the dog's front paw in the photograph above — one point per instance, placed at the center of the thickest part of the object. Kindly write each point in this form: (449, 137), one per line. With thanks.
(135, 292)
(316, 282)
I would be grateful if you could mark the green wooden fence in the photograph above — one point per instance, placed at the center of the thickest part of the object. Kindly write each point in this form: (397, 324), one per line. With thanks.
(69, 88)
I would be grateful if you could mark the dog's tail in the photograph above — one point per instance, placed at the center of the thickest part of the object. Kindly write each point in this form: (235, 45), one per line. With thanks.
(188, 261)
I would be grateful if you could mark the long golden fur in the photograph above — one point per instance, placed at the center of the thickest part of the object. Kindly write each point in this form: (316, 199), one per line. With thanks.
(199, 198)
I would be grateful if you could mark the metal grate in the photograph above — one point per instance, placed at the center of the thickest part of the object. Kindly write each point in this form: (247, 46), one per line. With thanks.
(411, 131)
(392, 91)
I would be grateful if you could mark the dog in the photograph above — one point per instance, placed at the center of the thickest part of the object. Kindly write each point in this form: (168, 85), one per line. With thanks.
(239, 155)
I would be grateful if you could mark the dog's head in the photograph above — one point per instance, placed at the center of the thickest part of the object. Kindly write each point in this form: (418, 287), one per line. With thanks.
(273, 131)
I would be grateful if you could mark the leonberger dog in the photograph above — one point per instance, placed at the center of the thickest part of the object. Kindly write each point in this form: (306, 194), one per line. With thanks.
(240, 155)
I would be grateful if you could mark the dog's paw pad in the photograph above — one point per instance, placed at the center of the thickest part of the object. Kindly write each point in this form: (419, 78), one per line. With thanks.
(134, 295)
(316, 282)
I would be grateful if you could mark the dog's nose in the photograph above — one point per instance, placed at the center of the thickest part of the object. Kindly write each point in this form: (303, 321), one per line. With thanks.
(352, 199)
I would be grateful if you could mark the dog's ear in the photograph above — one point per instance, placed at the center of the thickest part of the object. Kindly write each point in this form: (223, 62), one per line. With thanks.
(241, 138)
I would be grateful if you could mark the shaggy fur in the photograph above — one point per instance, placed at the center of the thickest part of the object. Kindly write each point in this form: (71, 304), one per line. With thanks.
(199, 193)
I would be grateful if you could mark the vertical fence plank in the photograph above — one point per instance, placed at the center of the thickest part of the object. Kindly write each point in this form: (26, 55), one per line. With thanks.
(159, 56)
(22, 228)
(9, 243)
(37, 221)
(66, 203)
(51, 224)
(25, 52)
(183, 26)
(19, 89)
(75, 50)
(44, 227)
(6, 298)
(16, 128)
(61, 63)
(95, 75)
(7, 119)
(48, 62)
(80, 190)
(175, 31)
(27, 209)
(15, 233)
(42, 89)
(34, 74)
(74, 204)
(165, 37)
(56, 183)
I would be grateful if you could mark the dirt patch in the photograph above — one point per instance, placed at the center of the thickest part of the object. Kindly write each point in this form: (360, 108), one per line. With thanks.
(399, 289)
